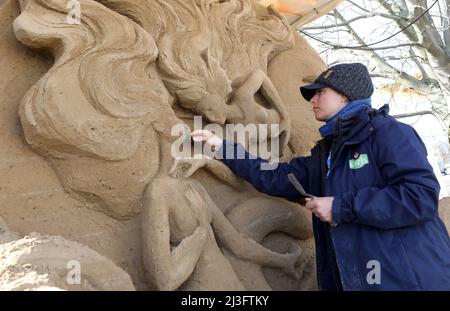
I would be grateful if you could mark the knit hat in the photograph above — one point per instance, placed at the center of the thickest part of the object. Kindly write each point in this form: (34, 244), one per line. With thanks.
(351, 80)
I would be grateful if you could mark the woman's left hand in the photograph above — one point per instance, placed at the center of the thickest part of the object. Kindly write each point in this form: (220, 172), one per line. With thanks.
(321, 207)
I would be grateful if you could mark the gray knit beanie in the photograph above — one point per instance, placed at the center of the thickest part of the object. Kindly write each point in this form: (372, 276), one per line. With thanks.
(351, 80)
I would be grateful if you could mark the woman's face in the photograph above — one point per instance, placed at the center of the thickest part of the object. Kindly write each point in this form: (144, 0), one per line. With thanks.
(326, 102)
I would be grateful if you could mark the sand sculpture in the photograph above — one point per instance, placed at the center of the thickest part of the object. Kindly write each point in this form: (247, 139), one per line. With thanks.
(39, 263)
(100, 114)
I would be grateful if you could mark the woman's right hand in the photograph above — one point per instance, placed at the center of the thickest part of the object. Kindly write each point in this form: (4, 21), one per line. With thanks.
(185, 167)
(208, 137)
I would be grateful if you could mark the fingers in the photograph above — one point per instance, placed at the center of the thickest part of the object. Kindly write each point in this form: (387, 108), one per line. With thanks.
(310, 203)
(199, 138)
(201, 135)
(201, 132)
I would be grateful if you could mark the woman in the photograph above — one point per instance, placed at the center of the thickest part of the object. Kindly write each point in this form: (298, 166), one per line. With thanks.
(371, 180)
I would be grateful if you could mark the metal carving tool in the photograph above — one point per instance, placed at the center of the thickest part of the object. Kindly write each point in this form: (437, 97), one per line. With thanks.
(294, 181)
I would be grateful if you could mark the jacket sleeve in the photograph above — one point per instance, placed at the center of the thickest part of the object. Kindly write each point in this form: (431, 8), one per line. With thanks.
(270, 178)
(411, 193)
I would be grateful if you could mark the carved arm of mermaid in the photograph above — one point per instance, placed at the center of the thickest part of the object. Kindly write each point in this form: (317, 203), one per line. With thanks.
(245, 247)
(167, 269)
(183, 168)
(238, 243)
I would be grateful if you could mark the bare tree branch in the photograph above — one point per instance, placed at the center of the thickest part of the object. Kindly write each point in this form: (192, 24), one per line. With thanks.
(400, 7)
(438, 55)
(440, 118)
(389, 70)
(397, 11)
(427, 33)
(377, 75)
(364, 46)
(381, 47)
(411, 114)
(358, 6)
(418, 58)
(418, 46)
(418, 64)
(369, 15)
(445, 8)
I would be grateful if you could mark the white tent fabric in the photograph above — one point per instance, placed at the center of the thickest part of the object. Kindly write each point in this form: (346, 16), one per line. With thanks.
(301, 12)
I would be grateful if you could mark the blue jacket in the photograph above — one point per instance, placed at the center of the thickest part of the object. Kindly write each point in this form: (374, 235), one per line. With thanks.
(385, 202)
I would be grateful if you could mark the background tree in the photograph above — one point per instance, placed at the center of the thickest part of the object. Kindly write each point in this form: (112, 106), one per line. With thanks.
(404, 43)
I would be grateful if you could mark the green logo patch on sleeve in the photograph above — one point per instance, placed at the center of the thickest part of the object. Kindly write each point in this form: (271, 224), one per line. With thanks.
(359, 162)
